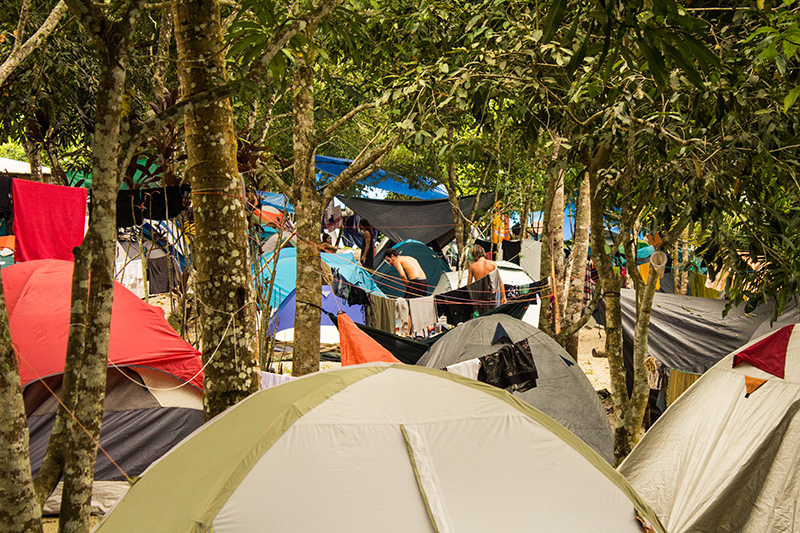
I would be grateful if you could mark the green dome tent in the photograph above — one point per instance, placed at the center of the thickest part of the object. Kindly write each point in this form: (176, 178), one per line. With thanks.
(388, 278)
(380, 447)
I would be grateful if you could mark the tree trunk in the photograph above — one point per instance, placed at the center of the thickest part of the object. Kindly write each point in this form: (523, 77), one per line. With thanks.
(34, 158)
(308, 214)
(452, 196)
(53, 463)
(224, 288)
(18, 509)
(102, 236)
(546, 311)
(577, 271)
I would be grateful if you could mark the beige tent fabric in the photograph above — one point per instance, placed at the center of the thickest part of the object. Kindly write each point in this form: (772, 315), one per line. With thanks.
(381, 448)
(717, 460)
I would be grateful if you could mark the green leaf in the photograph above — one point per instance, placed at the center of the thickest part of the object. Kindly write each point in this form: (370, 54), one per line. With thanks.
(555, 15)
(790, 98)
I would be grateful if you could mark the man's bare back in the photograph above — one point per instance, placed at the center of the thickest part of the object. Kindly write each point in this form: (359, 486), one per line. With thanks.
(482, 267)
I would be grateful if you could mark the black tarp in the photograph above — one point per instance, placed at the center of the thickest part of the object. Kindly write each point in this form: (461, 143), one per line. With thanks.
(427, 221)
(691, 334)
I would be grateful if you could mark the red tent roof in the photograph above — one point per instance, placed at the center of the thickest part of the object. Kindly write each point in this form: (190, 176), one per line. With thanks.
(38, 299)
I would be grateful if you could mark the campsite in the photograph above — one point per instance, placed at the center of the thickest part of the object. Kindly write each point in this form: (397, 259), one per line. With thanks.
(399, 266)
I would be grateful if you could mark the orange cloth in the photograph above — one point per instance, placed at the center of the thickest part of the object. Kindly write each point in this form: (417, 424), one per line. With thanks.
(357, 347)
(7, 241)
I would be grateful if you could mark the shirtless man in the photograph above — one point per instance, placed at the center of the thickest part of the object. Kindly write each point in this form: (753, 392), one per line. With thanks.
(482, 267)
(411, 273)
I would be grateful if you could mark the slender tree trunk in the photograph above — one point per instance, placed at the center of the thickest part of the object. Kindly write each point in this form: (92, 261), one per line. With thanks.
(102, 235)
(577, 271)
(308, 210)
(452, 196)
(34, 158)
(53, 463)
(18, 509)
(224, 288)
(546, 312)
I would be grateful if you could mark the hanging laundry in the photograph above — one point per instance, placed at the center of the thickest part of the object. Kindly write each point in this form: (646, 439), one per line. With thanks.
(455, 305)
(423, 314)
(49, 220)
(401, 317)
(157, 204)
(379, 314)
(468, 369)
(270, 379)
(511, 368)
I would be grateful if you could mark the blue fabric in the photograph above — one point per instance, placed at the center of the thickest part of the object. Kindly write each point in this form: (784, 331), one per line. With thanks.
(286, 273)
(276, 200)
(283, 318)
(380, 179)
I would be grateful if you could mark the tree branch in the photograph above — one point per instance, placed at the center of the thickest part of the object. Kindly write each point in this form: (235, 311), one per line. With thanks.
(20, 51)
(338, 124)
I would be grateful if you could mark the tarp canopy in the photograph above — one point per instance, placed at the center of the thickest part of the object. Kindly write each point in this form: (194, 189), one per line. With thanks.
(386, 447)
(388, 278)
(381, 179)
(38, 295)
(691, 334)
(559, 376)
(281, 323)
(723, 457)
(427, 221)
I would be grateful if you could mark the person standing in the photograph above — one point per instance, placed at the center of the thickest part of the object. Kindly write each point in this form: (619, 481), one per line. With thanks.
(367, 244)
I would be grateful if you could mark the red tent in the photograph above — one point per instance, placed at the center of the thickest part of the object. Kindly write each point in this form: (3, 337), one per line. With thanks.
(38, 299)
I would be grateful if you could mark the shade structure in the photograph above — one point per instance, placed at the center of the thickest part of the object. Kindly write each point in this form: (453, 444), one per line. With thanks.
(562, 390)
(427, 221)
(724, 456)
(380, 447)
(38, 302)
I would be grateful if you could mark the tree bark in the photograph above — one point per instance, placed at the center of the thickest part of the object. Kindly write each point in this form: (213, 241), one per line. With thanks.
(305, 358)
(224, 288)
(452, 196)
(114, 47)
(18, 509)
(55, 456)
(34, 159)
(577, 271)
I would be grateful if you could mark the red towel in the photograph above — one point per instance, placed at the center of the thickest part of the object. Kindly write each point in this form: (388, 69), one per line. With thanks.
(48, 220)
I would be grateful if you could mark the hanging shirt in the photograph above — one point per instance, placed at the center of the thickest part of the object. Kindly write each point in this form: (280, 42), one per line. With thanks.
(401, 316)
(380, 313)
(468, 369)
(423, 314)
(456, 305)
(511, 368)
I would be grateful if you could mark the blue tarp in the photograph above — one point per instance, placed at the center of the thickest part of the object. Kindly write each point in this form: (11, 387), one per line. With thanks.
(380, 179)
(286, 273)
(276, 200)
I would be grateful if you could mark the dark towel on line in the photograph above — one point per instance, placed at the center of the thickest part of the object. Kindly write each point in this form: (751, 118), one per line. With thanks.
(511, 368)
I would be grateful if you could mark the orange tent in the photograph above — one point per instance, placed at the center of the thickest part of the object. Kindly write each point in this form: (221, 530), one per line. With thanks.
(357, 347)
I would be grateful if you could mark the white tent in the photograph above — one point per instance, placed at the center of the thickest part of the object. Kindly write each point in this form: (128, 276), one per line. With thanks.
(11, 166)
(385, 448)
(725, 455)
